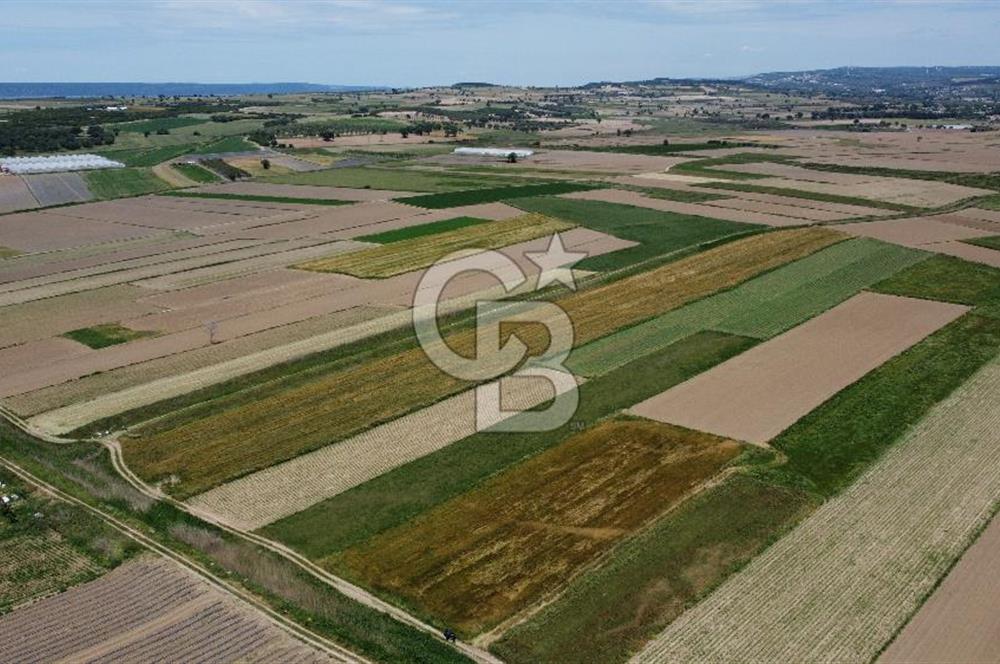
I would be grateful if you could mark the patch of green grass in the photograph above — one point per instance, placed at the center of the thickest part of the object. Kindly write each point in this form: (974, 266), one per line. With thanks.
(492, 195)
(156, 124)
(8, 253)
(762, 307)
(393, 179)
(810, 195)
(122, 182)
(224, 169)
(607, 614)
(947, 279)
(657, 232)
(227, 144)
(835, 443)
(150, 157)
(401, 494)
(432, 228)
(258, 198)
(708, 168)
(991, 242)
(196, 173)
(989, 203)
(102, 336)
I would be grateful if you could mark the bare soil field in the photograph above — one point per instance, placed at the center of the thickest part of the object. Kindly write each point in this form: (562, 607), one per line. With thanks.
(263, 497)
(759, 394)
(916, 232)
(50, 317)
(15, 195)
(302, 191)
(34, 354)
(840, 585)
(58, 188)
(171, 213)
(481, 557)
(49, 231)
(700, 209)
(922, 193)
(146, 610)
(768, 207)
(961, 620)
(86, 388)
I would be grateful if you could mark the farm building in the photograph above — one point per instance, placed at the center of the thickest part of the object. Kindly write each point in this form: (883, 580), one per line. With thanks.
(520, 153)
(56, 163)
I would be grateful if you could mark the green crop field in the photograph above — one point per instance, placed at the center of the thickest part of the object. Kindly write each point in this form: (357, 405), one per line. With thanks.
(102, 336)
(492, 195)
(122, 182)
(257, 198)
(158, 123)
(991, 242)
(658, 233)
(948, 279)
(196, 173)
(401, 494)
(432, 228)
(760, 308)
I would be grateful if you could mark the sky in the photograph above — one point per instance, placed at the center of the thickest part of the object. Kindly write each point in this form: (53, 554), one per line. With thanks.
(408, 43)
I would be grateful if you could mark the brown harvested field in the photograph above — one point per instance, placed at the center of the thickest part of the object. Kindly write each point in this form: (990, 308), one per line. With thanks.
(921, 193)
(35, 354)
(173, 213)
(914, 232)
(624, 197)
(499, 549)
(580, 160)
(85, 388)
(847, 578)
(845, 211)
(51, 317)
(260, 498)
(146, 610)
(760, 393)
(784, 210)
(49, 231)
(235, 441)
(961, 620)
(416, 253)
(939, 234)
(15, 195)
(302, 191)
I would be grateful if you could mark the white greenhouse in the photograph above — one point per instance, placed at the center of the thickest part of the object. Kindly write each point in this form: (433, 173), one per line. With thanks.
(520, 153)
(56, 163)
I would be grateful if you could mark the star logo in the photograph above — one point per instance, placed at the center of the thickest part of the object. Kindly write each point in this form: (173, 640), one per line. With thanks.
(555, 263)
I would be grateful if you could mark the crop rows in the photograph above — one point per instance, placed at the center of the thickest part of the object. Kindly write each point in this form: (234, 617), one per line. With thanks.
(36, 565)
(420, 252)
(840, 585)
(760, 308)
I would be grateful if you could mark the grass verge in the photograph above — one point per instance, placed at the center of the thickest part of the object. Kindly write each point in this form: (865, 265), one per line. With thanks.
(256, 198)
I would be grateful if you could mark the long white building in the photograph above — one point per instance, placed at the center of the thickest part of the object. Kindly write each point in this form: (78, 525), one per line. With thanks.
(56, 163)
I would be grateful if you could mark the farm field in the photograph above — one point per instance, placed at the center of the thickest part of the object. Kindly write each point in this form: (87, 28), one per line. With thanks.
(918, 507)
(146, 610)
(786, 352)
(541, 521)
(15, 195)
(959, 620)
(416, 253)
(770, 387)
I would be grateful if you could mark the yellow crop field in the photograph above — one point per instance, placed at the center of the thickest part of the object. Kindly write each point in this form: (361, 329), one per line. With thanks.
(416, 253)
(498, 549)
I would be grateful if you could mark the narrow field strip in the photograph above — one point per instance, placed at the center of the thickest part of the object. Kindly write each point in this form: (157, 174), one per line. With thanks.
(256, 500)
(476, 196)
(839, 586)
(259, 198)
(762, 307)
(479, 558)
(420, 252)
(756, 396)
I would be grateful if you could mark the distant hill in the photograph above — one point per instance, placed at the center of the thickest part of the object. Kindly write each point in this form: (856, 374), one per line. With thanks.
(90, 90)
(894, 81)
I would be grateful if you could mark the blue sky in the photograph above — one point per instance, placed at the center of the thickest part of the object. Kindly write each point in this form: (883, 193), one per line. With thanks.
(413, 42)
